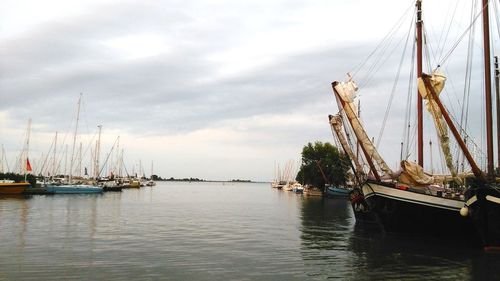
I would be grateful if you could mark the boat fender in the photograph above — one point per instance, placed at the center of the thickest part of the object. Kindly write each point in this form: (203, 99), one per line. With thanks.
(403, 187)
(464, 211)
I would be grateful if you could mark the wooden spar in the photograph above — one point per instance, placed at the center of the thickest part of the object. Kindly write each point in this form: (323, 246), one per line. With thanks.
(353, 160)
(487, 89)
(475, 169)
(367, 156)
(497, 91)
(420, 119)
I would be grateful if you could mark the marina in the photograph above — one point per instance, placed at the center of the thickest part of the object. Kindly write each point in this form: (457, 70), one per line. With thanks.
(390, 127)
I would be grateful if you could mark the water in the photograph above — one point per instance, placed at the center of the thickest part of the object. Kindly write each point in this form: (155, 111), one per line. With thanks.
(215, 231)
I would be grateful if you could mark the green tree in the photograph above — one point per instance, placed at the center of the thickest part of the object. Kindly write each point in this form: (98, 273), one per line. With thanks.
(334, 165)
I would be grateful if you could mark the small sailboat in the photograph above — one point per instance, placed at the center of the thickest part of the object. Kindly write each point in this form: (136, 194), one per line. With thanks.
(151, 182)
(11, 187)
(71, 187)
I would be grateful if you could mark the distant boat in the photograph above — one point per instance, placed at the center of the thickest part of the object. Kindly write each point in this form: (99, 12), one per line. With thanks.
(110, 185)
(312, 191)
(332, 191)
(151, 183)
(71, 188)
(11, 187)
(297, 188)
(288, 186)
(131, 183)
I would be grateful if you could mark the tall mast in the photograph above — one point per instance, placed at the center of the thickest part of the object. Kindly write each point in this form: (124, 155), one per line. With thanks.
(497, 91)
(54, 165)
(1, 159)
(74, 140)
(420, 119)
(25, 153)
(98, 153)
(487, 89)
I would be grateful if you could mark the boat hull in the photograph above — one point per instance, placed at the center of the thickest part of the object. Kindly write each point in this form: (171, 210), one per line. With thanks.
(337, 192)
(484, 208)
(404, 211)
(73, 189)
(13, 188)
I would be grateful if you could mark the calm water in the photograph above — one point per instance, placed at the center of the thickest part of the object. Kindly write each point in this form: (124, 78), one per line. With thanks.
(214, 231)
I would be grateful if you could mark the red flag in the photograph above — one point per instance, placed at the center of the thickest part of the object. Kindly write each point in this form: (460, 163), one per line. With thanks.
(28, 166)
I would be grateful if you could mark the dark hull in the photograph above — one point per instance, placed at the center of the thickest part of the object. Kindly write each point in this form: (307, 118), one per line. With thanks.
(112, 188)
(484, 209)
(360, 208)
(402, 211)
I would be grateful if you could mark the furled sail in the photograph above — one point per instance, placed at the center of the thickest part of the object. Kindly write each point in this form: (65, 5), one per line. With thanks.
(336, 125)
(347, 92)
(413, 174)
(437, 81)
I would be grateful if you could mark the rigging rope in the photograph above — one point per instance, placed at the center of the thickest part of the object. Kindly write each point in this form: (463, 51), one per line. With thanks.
(460, 39)
(383, 42)
(393, 91)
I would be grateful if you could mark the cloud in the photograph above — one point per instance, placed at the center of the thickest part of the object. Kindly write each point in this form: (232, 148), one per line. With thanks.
(224, 86)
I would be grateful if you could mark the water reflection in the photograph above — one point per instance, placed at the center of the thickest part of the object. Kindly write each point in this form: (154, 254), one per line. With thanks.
(382, 255)
(326, 225)
(335, 246)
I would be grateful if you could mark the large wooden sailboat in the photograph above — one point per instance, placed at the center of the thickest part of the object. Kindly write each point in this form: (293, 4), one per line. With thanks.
(463, 206)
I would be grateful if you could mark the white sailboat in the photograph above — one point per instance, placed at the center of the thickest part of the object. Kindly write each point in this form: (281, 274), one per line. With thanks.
(72, 187)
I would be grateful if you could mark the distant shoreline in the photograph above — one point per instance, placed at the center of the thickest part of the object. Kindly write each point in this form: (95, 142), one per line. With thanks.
(203, 180)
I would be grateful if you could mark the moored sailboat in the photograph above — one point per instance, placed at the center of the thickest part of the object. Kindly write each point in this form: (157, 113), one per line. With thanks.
(72, 187)
(464, 206)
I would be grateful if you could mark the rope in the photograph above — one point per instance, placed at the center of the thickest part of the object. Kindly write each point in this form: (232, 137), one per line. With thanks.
(460, 39)
(382, 45)
(393, 91)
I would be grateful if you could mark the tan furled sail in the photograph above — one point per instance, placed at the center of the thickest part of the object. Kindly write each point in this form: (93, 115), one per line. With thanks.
(437, 81)
(336, 125)
(347, 91)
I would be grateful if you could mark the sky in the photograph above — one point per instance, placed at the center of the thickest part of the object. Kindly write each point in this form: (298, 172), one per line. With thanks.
(216, 90)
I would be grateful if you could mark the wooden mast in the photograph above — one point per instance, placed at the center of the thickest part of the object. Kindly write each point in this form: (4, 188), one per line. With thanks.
(475, 169)
(487, 88)
(420, 120)
(367, 156)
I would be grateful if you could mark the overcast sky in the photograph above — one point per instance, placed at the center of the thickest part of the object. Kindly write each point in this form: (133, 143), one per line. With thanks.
(217, 89)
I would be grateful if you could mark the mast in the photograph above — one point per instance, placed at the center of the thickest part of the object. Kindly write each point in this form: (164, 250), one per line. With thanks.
(487, 89)
(336, 126)
(345, 92)
(54, 166)
(1, 160)
(497, 91)
(420, 119)
(98, 153)
(25, 152)
(74, 140)
(475, 169)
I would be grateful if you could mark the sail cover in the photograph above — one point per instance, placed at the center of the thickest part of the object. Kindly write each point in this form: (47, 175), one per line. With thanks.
(413, 174)
(347, 92)
(437, 81)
